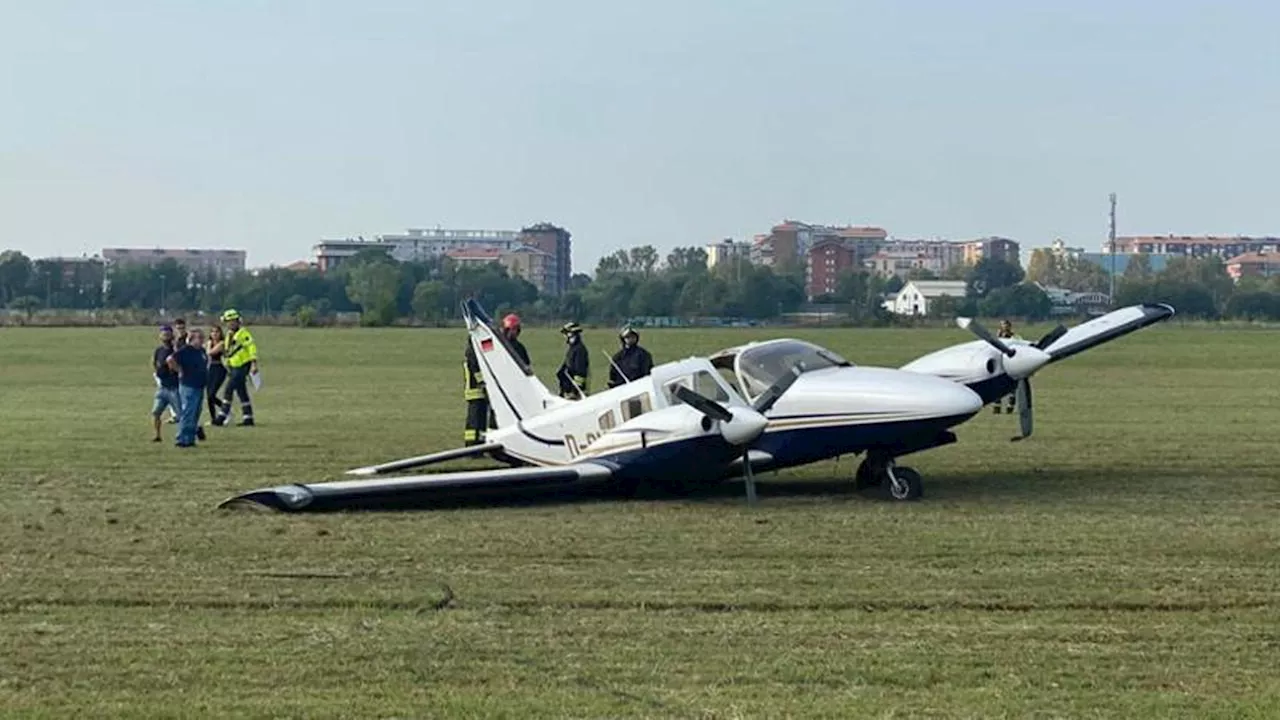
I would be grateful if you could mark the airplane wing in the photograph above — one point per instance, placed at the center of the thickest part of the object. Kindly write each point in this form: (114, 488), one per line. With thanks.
(419, 461)
(345, 493)
(1106, 328)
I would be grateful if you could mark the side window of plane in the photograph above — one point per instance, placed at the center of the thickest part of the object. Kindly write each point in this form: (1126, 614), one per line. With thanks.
(636, 406)
(704, 383)
(607, 421)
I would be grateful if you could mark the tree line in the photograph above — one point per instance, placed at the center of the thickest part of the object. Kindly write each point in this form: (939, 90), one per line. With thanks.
(637, 282)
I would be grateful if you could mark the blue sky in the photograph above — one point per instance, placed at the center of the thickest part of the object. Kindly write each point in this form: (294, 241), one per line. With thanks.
(268, 125)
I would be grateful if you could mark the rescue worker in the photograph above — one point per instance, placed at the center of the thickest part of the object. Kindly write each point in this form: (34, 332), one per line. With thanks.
(240, 355)
(477, 397)
(631, 362)
(511, 331)
(576, 368)
(1005, 331)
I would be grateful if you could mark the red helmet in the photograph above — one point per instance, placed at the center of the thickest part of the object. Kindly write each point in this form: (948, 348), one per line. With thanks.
(511, 321)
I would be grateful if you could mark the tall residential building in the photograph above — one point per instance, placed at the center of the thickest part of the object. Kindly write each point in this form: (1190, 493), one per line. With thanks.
(726, 250)
(556, 242)
(221, 263)
(828, 259)
(413, 245)
(997, 247)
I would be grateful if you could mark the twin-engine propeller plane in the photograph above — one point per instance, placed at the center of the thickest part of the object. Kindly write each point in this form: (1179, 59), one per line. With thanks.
(684, 425)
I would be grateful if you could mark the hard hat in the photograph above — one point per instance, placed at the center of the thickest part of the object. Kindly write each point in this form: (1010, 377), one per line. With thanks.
(511, 321)
(230, 315)
(570, 328)
(628, 330)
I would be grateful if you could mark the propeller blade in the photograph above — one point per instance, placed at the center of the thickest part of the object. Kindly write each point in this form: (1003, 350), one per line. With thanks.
(976, 328)
(703, 404)
(1052, 337)
(775, 391)
(1025, 413)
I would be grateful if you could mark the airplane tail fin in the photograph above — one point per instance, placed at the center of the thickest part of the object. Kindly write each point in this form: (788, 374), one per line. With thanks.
(515, 393)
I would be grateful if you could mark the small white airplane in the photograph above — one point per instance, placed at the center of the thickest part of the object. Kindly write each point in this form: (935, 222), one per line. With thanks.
(685, 425)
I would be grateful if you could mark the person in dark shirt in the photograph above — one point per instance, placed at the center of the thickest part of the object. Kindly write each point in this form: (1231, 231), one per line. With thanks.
(576, 368)
(166, 379)
(191, 364)
(631, 362)
(216, 346)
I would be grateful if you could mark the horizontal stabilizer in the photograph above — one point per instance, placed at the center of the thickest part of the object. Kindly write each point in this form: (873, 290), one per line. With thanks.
(419, 461)
(344, 493)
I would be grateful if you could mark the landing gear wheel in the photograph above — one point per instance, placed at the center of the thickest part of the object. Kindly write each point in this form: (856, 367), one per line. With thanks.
(901, 483)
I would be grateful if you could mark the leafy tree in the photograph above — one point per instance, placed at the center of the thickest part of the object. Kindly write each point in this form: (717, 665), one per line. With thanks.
(992, 273)
(15, 273)
(1024, 300)
(25, 303)
(1139, 269)
(428, 297)
(374, 286)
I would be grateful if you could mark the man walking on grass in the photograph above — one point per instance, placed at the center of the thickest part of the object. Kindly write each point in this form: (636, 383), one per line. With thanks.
(166, 379)
(191, 364)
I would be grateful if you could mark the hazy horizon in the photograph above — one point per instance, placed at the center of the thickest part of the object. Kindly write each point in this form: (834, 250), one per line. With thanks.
(268, 128)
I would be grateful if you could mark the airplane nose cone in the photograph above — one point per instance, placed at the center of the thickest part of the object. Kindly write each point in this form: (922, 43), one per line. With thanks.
(744, 428)
(1025, 361)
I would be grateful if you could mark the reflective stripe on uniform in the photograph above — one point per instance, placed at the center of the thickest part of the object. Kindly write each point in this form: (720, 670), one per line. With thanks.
(472, 385)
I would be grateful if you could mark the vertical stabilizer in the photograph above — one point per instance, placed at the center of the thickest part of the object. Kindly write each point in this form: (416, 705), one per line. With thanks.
(515, 393)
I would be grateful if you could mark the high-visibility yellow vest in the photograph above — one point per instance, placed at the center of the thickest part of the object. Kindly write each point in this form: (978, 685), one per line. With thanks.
(241, 349)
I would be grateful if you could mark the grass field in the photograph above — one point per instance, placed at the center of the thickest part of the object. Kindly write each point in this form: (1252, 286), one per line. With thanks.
(1125, 561)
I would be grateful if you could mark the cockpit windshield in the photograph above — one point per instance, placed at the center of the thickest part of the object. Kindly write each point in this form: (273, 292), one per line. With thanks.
(759, 367)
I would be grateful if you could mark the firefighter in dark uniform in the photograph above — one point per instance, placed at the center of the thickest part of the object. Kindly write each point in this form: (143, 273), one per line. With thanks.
(576, 368)
(477, 397)
(1005, 331)
(631, 362)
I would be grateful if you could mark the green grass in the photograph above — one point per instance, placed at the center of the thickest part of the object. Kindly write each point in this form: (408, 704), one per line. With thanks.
(1125, 561)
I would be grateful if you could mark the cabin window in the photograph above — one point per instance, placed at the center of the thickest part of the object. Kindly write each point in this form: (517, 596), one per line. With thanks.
(636, 406)
(701, 382)
(607, 421)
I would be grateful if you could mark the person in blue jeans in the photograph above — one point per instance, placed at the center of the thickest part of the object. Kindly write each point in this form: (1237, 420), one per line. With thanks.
(190, 363)
(166, 379)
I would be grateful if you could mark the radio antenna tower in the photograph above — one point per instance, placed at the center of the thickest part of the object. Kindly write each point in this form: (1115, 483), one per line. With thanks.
(1112, 236)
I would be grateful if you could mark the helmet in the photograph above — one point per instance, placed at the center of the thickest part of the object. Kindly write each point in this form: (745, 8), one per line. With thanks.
(628, 330)
(511, 321)
(570, 328)
(230, 315)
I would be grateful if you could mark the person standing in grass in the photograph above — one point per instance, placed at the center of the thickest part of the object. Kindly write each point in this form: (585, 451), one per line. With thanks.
(179, 339)
(191, 364)
(241, 357)
(217, 369)
(166, 379)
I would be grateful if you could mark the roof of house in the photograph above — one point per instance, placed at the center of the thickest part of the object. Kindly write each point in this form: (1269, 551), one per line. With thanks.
(937, 288)
(1254, 259)
(474, 253)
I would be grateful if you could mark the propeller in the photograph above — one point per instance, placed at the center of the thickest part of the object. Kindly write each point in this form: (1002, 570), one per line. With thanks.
(1019, 364)
(741, 426)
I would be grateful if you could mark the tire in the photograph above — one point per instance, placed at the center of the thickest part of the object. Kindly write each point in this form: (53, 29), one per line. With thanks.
(915, 485)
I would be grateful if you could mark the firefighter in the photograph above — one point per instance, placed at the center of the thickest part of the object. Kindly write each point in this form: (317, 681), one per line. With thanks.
(631, 362)
(511, 331)
(477, 397)
(241, 359)
(576, 368)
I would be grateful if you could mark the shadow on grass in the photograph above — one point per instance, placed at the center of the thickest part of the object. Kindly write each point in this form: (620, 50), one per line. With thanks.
(1033, 487)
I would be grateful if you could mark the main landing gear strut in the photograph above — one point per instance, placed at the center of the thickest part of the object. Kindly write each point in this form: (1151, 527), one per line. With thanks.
(894, 481)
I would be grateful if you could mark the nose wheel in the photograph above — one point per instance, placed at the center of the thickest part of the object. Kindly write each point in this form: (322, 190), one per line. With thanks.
(893, 481)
